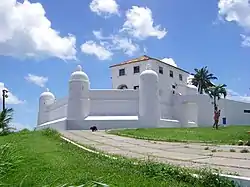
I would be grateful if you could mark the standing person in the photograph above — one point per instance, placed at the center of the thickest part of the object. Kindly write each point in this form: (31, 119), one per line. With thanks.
(215, 110)
(216, 117)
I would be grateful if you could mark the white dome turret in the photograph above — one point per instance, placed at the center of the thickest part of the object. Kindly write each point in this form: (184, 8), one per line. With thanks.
(149, 73)
(46, 98)
(79, 75)
(78, 100)
(47, 94)
(149, 108)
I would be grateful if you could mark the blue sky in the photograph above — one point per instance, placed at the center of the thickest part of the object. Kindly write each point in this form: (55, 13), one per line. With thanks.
(41, 43)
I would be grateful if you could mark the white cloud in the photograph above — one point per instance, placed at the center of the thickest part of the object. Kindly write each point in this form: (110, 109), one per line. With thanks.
(99, 36)
(12, 99)
(232, 95)
(117, 43)
(237, 11)
(99, 50)
(25, 31)
(169, 61)
(37, 80)
(104, 7)
(245, 40)
(140, 24)
(125, 44)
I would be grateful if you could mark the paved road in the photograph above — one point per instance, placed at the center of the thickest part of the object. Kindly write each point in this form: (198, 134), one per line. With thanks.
(183, 154)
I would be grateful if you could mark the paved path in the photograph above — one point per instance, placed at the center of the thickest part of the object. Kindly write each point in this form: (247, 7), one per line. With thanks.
(183, 154)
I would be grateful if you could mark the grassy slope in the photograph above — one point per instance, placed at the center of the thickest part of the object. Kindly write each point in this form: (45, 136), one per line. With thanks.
(225, 135)
(50, 161)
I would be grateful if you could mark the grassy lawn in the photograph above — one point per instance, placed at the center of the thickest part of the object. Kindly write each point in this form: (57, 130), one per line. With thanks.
(43, 159)
(225, 135)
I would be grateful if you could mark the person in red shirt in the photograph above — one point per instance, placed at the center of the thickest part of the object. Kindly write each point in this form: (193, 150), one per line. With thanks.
(216, 117)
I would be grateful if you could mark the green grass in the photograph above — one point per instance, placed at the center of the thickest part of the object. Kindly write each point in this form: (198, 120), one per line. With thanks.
(225, 135)
(42, 159)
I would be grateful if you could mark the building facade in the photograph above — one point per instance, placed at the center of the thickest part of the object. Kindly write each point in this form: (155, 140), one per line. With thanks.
(146, 93)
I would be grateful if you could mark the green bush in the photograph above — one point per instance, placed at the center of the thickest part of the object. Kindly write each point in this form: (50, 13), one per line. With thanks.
(240, 143)
(247, 143)
(50, 133)
(207, 178)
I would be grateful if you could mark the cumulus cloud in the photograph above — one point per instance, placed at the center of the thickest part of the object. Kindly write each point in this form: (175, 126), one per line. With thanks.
(237, 11)
(104, 7)
(169, 61)
(245, 40)
(140, 24)
(117, 42)
(25, 31)
(37, 80)
(12, 99)
(92, 48)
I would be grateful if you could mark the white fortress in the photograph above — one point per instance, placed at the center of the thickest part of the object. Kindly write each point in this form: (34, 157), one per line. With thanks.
(146, 92)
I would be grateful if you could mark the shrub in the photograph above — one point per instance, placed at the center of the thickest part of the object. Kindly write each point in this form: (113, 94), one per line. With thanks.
(240, 143)
(244, 150)
(24, 131)
(205, 177)
(50, 133)
(247, 143)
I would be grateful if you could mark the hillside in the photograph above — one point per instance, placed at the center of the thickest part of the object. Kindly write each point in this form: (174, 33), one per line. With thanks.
(41, 158)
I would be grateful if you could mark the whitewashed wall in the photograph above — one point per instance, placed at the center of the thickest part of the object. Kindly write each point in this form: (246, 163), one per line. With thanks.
(114, 102)
(130, 78)
(232, 110)
(55, 111)
(165, 81)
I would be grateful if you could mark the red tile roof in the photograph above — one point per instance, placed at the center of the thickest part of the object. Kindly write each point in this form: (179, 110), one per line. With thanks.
(143, 58)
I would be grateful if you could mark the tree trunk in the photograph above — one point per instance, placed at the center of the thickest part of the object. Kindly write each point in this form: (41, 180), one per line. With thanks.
(215, 104)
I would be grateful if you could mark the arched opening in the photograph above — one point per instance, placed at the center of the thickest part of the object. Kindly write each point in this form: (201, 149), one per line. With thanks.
(122, 87)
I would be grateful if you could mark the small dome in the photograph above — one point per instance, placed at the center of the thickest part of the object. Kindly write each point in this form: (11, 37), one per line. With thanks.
(149, 72)
(79, 75)
(47, 94)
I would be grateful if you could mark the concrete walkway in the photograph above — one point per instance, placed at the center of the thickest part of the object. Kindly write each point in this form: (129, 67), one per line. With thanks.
(183, 154)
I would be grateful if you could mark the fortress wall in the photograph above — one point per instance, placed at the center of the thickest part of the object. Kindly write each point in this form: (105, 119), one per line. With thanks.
(114, 103)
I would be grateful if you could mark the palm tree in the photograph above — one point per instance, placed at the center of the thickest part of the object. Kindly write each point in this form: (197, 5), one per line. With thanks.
(5, 119)
(215, 92)
(202, 79)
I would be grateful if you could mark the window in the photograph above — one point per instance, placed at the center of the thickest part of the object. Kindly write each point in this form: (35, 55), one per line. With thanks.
(247, 111)
(180, 77)
(121, 72)
(136, 69)
(136, 87)
(160, 70)
(171, 73)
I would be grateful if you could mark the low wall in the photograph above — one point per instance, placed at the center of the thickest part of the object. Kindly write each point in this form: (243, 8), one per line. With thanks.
(114, 102)
(102, 124)
(113, 107)
(54, 111)
(233, 111)
(114, 94)
(59, 125)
